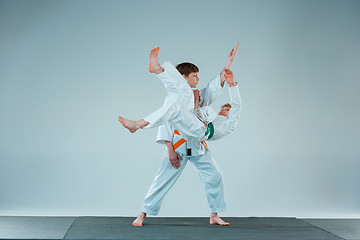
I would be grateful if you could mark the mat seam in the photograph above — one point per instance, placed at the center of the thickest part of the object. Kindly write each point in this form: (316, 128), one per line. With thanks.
(324, 230)
(69, 228)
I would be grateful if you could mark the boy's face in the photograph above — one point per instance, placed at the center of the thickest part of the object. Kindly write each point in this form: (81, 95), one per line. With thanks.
(224, 111)
(192, 79)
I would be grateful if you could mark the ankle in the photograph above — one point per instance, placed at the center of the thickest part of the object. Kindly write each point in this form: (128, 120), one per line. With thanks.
(158, 70)
(141, 124)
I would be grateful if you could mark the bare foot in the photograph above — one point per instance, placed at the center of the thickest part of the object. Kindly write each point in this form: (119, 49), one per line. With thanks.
(133, 126)
(154, 66)
(138, 222)
(215, 219)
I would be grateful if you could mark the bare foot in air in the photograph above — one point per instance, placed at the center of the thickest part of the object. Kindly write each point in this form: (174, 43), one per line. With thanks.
(133, 125)
(154, 66)
(138, 222)
(215, 219)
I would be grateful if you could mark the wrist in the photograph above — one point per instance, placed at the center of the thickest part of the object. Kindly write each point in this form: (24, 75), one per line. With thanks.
(233, 84)
(222, 82)
(169, 146)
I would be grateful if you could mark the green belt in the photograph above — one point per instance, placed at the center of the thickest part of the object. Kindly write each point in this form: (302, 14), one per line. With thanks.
(210, 130)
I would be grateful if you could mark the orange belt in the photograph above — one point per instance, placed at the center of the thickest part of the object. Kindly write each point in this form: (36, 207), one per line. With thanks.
(181, 141)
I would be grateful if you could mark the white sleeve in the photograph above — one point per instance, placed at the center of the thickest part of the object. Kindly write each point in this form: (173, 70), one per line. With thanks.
(165, 133)
(234, 112)
(176, 85)
(211, 92)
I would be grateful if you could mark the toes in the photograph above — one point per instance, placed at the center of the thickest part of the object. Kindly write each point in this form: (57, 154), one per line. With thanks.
(153, 51)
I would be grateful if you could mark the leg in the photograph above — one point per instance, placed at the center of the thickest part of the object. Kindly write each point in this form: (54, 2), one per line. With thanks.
(168, 74)
(179, 117)
(175, 84)
(164, 180)
(211, 176)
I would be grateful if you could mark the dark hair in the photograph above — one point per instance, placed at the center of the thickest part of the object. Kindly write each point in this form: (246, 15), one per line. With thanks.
(226, 105)
(186, 68)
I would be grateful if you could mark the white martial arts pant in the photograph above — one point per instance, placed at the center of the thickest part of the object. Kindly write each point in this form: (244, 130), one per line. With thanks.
(176, 86)
(167, 175)
(180, 119)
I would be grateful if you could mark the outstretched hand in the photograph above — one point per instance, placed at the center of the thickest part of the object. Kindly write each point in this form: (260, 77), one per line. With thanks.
(232, 56)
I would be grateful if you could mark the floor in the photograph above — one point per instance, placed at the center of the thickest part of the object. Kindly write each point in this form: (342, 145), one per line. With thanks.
(12, 227)
(348, 229)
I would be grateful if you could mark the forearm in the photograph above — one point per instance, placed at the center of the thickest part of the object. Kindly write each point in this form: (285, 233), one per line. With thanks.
(235, 101)
(169, 147)
(235, 98)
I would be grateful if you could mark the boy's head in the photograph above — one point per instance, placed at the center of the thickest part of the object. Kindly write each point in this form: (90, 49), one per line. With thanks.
(224, 111)
(190, 72)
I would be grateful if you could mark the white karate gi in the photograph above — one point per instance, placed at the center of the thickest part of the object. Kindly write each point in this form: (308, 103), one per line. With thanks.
(200, 155)
(224, 125)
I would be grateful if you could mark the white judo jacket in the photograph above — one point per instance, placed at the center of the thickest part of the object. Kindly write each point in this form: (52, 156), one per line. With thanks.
(167, 133)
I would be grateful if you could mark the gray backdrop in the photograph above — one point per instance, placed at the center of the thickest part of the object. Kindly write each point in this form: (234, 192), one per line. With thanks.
(69, 68)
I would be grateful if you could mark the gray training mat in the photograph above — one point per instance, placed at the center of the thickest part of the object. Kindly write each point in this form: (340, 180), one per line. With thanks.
(196, 228)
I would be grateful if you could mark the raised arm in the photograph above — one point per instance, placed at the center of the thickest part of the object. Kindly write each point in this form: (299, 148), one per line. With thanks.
(230, 61)
(211, 92)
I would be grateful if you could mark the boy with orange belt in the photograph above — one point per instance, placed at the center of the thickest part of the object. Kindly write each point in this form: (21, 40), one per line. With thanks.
(175, 160)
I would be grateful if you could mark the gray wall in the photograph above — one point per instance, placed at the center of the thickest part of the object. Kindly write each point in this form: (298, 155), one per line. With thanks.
(69, 68)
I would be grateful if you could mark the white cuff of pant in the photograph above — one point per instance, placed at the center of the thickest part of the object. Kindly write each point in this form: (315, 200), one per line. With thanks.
(166, 65)
(218, 210)
(150, 212)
